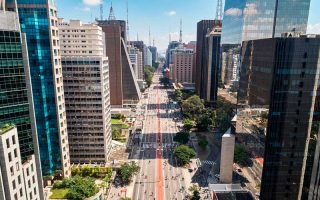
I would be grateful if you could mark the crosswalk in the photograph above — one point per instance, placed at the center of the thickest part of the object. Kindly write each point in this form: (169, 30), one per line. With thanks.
(207, 162)
(156, 145)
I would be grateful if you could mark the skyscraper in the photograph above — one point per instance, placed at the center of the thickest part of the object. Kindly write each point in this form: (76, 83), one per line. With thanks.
(147, 56)
(124, 89)
(16, 102)
(255, 19)
(182, 65)
(87, 91)
(206, 60)
(38, 20)
(289, 67)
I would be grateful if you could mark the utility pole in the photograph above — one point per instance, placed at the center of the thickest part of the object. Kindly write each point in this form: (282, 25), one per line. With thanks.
(149, 37)
(111, 13)
(101, 10)
(128, 38)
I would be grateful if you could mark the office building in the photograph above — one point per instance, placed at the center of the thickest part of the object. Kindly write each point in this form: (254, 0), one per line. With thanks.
(87, 91)
(182, 65)
(19, 180)
(210, 80)
(147, 56)
(38, 20)
(289, 67)
(254, 19)
(154, 53)
(16, 102)
(193, 45)
(172, 45)
(124, 89)
(140, 46)
(203, 28)
(136, 59)
(227, 154)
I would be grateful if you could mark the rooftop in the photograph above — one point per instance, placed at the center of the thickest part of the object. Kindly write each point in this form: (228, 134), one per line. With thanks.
(5, 128)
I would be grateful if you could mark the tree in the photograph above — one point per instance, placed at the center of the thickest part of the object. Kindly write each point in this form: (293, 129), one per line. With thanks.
(193, 188)
(187, 124)
(127, 171)
(192, 107)
(148, 72)
(203, 143)
(240, 154)
(116, 134)
(184, 154)
(204, 122)
(178, 96)
(196, 195)
(81, 188)
(181, 137)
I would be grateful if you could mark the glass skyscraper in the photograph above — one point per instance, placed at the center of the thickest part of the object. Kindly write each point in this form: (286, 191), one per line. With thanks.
(38, 20)
(258, 19)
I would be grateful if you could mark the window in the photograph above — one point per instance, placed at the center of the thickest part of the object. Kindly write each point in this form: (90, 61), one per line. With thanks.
(21, 193)
(9, 157)
(17, 166)
(11, 170)
(19, 179)
(13, 139)
(15, 153)
(27, 171)
(8, 143)
(33, 179)
(14, 184)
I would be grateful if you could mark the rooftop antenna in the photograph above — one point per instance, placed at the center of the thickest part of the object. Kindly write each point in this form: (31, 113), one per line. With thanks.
(153, 42)
(219, 11)
(137, 37)
(149, 37)
(101, 10)
(180, 38)
(111, 14)
(128, 38)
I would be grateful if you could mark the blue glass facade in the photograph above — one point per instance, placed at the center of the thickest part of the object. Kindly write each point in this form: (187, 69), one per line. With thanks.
(34, 22)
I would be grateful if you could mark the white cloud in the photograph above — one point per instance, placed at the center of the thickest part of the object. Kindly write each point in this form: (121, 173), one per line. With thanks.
(314, 28)
(171, 13)
(86, 9)
(233, 12)
(92, 2)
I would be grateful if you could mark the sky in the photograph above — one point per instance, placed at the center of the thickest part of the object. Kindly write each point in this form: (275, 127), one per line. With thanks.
(162, 16)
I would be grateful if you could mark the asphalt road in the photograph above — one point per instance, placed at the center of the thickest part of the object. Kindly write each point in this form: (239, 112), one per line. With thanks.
(159, 177)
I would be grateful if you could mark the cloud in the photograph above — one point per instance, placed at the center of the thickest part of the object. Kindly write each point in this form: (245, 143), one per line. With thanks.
(233, 12)
(314, 28)
(171, 13)
(92, 2)
(86, 9)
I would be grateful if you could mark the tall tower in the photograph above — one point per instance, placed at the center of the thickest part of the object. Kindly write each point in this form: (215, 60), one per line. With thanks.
(149, 37)
(111, 13)
(180, 38)
(128, 38)
(219, 11)
(101, 11)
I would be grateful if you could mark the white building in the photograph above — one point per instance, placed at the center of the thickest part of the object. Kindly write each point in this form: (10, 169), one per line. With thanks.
(136, 60)
(16, 183)
(147, 56)
(87, 91)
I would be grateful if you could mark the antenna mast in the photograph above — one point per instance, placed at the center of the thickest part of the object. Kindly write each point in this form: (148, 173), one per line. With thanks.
(101, 10)
(219, 11)
(180, 38)
(128, 38)
(149, 37)
(111, 14)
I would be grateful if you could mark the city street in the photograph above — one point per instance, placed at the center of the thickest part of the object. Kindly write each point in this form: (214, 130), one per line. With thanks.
(159, 177)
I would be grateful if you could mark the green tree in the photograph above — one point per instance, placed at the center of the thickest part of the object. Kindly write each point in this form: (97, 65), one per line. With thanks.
(193, 188)
(127, 171)
(192, 107)
(196, 195)
(181, 137)
(184, 153)
(148, 72)
(203, 143)
(187, 124)
(178, 96)
(240, 154)
(81, 188)
(204, 122)
(116, 134)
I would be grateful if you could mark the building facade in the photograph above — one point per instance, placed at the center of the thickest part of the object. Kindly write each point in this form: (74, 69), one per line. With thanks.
(147, 56)
(87, 91)
(154, 53)
(290, 68)
(16, 102)
(19, 180)
(254, 19)
(182, 65)
(136, 57)
(38, 20)
(124, 89)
